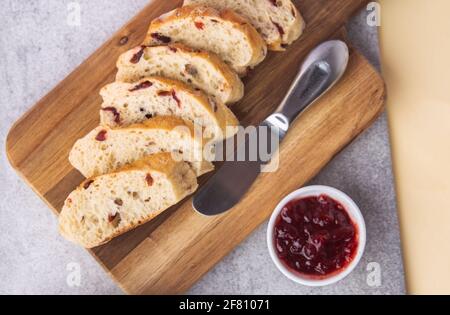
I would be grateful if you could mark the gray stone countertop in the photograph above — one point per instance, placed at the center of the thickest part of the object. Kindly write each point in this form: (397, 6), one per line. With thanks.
(39, 48)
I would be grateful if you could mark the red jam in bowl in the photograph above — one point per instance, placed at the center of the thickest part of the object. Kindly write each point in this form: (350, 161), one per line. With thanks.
(315, 236)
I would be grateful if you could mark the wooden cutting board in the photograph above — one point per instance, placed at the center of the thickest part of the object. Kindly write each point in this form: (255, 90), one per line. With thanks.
(171, 253)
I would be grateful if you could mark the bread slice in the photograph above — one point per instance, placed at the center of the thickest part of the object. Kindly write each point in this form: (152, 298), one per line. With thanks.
(105, 150)
(278, 21)
(200, 69)
(107, 206)
(125, 104)
(224, 33)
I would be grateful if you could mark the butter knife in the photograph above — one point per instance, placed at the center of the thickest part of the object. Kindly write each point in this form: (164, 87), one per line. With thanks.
(320, 71)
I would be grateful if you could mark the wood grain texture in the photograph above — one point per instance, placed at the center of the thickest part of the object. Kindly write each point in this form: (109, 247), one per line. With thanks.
(171, 253)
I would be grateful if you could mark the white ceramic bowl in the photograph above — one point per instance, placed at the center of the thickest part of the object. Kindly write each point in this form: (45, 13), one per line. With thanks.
(355, 215)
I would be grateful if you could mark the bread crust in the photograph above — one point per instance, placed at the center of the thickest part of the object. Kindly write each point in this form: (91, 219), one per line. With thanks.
(293, 33)
(162, 122)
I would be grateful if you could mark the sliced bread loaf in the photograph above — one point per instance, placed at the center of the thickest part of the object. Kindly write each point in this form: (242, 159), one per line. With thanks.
(125, 104)
(200, 69)
(278, 21)
(224, 33)
(104, 207)
(105, 149)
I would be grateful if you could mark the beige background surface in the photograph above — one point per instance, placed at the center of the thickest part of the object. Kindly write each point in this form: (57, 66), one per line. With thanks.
(415, 45)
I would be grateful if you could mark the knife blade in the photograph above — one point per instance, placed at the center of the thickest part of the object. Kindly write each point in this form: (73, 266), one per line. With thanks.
(320, 71)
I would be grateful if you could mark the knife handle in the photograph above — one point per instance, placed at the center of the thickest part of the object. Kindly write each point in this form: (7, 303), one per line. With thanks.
(323, 67)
